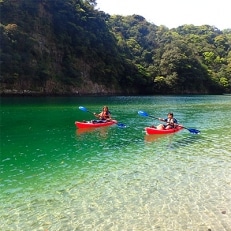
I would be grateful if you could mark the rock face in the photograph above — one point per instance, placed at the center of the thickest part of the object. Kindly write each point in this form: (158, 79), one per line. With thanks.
(55, 88)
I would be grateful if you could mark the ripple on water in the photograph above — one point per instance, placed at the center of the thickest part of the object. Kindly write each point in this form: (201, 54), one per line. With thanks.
(112, 181)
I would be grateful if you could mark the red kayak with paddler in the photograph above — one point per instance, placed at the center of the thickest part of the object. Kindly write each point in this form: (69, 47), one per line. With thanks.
(171, 125)
(103, 119)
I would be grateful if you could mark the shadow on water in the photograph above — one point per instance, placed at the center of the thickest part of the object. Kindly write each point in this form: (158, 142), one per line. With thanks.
(81, 131)
(154, 138)
(102, 131)
(174, 140)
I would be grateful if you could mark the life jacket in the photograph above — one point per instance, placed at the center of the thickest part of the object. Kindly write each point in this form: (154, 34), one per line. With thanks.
(105, 115)
(171, 122)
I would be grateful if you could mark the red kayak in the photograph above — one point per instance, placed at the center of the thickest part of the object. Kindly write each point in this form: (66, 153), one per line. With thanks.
(94, 123)
(153, 131)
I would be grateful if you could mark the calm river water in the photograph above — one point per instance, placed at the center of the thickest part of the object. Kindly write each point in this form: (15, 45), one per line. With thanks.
(56, 177)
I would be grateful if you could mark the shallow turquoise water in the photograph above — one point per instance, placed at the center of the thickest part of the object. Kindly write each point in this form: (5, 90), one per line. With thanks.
(56, 177)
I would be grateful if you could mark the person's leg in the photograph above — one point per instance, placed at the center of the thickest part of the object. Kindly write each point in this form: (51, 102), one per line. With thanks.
(160, 127)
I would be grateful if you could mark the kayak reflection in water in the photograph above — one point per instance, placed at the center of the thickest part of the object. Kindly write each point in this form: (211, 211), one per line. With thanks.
(105, 115)
(170, 120)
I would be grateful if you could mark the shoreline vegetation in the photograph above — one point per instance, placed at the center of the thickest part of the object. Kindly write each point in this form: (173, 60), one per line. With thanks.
(41, 94)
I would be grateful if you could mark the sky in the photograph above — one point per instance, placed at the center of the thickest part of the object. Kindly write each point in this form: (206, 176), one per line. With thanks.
(173, 13)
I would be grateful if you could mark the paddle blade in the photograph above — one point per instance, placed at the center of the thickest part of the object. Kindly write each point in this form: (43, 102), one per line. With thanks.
(82, 108)
(121, 125)
(142, 113)
(194, 131)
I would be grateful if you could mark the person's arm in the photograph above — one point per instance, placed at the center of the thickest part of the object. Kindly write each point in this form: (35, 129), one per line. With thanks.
(97, 115)
(164, 120)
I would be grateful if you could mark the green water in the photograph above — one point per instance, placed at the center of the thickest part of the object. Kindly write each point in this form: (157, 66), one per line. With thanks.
(56, 177)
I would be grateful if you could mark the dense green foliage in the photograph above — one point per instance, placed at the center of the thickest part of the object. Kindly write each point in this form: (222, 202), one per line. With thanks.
(183, 60)
(63, 46)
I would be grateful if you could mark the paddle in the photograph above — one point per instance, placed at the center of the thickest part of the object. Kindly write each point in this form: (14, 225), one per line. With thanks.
(143, 113)
(191, 130)
(86, 110)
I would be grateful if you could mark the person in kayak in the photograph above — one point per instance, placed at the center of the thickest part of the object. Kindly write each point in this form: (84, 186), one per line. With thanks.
(170, 120)
(104, 115)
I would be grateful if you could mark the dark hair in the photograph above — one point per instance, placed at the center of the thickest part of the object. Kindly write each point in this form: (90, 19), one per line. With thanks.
(170, 113)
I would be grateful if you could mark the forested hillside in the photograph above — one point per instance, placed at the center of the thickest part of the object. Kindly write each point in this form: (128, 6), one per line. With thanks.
(70, 47)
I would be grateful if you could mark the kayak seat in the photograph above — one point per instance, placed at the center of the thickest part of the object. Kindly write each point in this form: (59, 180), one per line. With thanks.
(98, 121)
